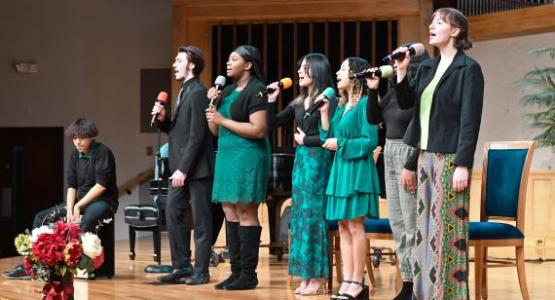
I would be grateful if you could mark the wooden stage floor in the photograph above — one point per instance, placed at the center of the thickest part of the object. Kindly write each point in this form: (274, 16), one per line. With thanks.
(131, 282)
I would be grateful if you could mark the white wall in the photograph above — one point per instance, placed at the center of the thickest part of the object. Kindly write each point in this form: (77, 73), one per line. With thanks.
(90, 54)
(504, 62)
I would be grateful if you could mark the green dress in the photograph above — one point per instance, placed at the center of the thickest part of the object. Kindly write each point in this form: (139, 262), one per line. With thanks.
(353, 188)
(242, 164)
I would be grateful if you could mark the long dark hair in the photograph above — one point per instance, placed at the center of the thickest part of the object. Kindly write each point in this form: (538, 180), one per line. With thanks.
(252, 54)
(359, 88)
(318, 68)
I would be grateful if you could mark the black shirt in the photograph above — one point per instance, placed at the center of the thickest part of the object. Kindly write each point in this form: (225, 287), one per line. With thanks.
(307, 123)
(96, 166)
(396, 120)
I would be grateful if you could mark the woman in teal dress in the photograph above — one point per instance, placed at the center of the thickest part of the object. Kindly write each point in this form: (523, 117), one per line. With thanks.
(242, 162)
(353, 188)
(308, 253)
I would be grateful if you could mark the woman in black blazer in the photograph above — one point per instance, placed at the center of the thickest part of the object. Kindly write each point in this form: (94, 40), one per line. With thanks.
(447, 94)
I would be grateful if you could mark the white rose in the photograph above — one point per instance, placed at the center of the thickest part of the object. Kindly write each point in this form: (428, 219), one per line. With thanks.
(91, 245)
(38, 231)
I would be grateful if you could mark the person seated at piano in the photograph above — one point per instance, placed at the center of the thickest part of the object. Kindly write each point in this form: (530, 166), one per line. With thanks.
(92, 193)
(308, 256)
(242, 162)
(353, 189)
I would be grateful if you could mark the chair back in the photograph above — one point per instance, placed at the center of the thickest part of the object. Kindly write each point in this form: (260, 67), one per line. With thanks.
(506, 167)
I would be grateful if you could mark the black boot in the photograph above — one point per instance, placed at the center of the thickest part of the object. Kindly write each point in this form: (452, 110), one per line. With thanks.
(406, 291)
(250, 242)
(234, 252)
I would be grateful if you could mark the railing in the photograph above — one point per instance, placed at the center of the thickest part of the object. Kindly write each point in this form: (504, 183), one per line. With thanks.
(481, 7)
(128, 186)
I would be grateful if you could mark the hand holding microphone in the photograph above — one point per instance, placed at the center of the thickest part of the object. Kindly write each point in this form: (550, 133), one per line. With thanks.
(401, 57)
(283, 84)
(321, 102)
(215, 91)
(158, 110)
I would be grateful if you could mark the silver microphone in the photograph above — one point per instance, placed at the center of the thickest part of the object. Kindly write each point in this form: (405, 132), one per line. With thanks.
(218, 84)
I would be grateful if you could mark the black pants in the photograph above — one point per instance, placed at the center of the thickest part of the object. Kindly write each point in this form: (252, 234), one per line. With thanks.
(193, 199)
(93, 214)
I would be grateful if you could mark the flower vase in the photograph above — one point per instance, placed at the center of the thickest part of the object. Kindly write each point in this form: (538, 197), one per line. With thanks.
(59, 287)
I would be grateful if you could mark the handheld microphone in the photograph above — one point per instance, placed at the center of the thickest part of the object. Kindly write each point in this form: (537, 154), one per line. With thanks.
(218, 84)
(328, 93)
(283, 84)
(385, 71)
(161, 99)
(416, 49)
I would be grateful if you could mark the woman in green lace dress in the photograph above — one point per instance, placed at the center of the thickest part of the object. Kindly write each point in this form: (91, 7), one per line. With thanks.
(353, 188)
(308, 257)
(242, 162)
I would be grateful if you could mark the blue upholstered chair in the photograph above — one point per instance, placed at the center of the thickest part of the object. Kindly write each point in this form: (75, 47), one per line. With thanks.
(506, 166)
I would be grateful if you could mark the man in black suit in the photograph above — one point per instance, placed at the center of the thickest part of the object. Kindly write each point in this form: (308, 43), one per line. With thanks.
(191, 161)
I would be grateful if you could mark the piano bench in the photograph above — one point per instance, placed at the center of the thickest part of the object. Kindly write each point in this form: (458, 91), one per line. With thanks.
(144, 217)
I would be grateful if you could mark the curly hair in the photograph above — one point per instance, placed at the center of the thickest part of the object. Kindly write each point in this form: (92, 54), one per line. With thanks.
(358, 88)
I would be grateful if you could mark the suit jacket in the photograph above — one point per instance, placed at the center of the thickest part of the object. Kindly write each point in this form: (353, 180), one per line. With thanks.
(456, 110)
(191, 146)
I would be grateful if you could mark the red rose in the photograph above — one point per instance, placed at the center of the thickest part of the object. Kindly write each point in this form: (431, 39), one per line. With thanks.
(68, 231)
(99, 260)
(28, 266)
(49, 248)
(72, 253)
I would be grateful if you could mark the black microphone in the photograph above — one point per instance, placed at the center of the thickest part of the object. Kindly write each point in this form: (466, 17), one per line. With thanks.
(218, 84)
(283, 84)
(328, 93)
(161, 99)
(385, 71)
(416, 49)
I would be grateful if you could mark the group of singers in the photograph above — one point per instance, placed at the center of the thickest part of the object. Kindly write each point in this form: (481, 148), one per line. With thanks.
(431, 112)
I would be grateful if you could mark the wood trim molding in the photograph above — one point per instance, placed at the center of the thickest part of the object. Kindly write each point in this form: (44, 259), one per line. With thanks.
(267, 10)
(513, 23)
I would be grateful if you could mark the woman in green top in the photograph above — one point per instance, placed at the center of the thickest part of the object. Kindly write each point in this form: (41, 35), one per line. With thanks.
(353, 188)
(242, 162)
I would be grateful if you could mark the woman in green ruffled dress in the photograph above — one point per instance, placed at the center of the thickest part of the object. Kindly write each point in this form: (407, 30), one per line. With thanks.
(353, 188)
(242, 162)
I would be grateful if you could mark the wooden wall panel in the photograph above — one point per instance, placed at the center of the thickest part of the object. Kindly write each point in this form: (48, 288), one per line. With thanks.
(513, 23)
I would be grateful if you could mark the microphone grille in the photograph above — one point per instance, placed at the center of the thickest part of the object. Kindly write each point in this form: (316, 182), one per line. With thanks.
(287, 82)
(418, 49)
(162, 97)
(387, 71)
(220, 80)
(329, 92)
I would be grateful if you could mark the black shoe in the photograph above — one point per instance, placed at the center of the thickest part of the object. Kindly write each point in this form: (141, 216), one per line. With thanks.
(215, 259)
(176, 276)
(250, 242)
(198, 278)
(17, 273)
(406, 291)
(364, 293)
(234, 250)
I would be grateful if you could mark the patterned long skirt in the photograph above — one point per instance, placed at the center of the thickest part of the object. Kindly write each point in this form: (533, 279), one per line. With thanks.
(308, 257)
(441, 254)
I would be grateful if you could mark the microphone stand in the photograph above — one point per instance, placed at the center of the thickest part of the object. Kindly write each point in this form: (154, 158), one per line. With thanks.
(158, 268)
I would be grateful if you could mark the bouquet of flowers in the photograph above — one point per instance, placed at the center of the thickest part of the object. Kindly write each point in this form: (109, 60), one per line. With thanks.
(53, 253)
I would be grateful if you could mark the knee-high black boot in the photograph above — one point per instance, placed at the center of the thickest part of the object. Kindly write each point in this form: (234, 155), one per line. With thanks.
(250, 242)
(234, 250)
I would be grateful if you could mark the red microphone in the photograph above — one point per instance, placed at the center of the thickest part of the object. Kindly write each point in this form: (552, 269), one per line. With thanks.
(161, 99)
